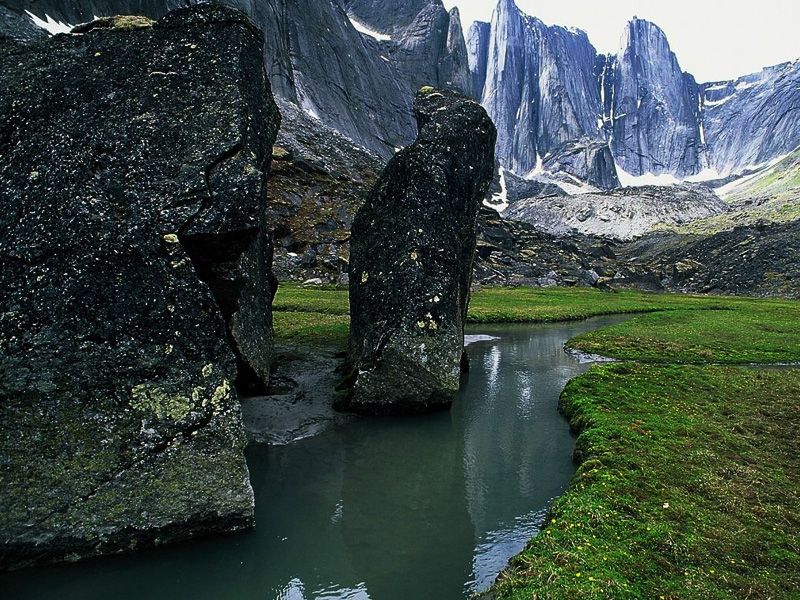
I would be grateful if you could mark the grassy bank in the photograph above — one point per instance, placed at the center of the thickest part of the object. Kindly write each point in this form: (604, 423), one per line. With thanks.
(517, 305)
(674, 328)
(689, 483)
(311, 316)
(751, 331)
(533, 305)
(688, 489)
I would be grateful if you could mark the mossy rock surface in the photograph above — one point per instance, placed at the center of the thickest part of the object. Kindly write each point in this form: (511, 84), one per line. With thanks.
(119, 423)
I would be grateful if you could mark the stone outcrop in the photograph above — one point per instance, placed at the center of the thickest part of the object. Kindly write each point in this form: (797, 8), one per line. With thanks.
(587, 160)
(751, 260)
(136, 276)
(412, 250)
(318, 181)
(514, 253)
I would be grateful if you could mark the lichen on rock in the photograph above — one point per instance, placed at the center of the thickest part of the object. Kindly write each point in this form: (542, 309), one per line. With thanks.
(412, 250)
(136, 275)
(116, 22)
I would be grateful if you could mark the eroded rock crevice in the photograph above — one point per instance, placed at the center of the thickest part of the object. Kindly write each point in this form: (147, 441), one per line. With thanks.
(218, 261)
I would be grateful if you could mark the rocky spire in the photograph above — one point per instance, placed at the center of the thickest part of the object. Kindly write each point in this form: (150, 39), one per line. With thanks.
(411, 256)
(655, 122)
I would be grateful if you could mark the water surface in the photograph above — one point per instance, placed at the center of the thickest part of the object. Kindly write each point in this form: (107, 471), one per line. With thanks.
(380, 509)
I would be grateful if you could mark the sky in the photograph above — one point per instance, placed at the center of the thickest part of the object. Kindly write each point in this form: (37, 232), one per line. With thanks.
(713, 40)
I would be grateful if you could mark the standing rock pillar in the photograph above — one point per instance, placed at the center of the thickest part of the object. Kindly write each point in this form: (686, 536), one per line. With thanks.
(412, 249)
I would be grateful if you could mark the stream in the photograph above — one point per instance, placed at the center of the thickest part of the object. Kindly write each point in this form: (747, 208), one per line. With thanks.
(380, 509)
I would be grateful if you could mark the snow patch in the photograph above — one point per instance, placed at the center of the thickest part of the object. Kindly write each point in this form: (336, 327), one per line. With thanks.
(500, 200)
(49, 24)
(628, 180)
(364, 30)
(308, 108)
(473, 339)
(539, 168)
(762, 169)
(707, 174)
(730, 188)
(575, 189)
(717, 102)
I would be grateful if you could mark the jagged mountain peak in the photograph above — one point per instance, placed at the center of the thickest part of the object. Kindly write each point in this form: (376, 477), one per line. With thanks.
(538, 83)
(506, 5)
(455, 34)
(647, 40)
(654, 124)
(547, 88)
(553, 89)
(637, 26)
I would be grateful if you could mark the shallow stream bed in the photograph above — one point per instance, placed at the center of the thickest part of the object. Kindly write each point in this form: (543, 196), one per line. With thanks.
(380, 509)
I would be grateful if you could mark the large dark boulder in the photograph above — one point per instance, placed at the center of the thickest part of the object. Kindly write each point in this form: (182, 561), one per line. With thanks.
(412, 249)
(136, 275)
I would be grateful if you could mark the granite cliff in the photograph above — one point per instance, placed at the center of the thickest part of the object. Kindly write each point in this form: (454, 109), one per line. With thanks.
(545, 86)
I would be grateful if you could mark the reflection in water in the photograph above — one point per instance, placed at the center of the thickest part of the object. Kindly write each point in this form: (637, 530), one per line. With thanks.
(379, 509)
(491, 555)
(517, 448)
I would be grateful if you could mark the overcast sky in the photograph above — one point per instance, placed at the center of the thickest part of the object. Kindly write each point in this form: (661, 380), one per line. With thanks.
(712, 39)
